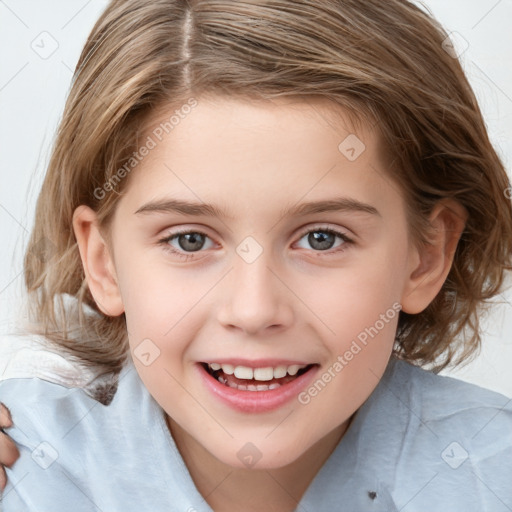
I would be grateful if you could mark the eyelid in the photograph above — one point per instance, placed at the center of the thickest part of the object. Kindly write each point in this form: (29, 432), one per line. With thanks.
(176, 234)
(171, 232)
(302, 231)
(342, 232)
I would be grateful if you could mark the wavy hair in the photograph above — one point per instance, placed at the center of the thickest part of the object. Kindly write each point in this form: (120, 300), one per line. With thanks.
(384, 62)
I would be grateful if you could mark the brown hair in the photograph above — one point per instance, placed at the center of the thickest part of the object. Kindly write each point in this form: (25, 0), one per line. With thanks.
(383, 61)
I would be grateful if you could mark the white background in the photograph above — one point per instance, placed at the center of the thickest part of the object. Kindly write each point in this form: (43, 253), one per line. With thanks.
(33, 90)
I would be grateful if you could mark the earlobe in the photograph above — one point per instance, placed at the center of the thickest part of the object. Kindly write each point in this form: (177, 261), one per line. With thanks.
(97, 262)
(433, 260)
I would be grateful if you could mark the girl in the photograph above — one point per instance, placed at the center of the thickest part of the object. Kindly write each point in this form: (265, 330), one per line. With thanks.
(259, 220)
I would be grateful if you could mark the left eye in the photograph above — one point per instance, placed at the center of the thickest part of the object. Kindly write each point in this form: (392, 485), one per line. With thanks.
(191, 241)
(324, 239)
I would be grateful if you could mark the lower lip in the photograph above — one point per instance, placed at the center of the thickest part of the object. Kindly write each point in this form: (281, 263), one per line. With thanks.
(256, 401)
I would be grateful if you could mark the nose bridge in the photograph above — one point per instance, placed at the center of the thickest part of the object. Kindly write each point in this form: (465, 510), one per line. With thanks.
(254, 279)
(254, 298)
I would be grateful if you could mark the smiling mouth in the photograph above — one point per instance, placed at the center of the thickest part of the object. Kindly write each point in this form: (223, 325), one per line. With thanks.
(262, 379)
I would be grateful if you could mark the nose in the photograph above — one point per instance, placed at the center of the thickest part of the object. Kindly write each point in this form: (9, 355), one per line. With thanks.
(254, 299)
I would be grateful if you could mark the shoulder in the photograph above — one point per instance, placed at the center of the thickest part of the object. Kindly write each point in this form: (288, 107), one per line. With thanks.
(44, 407)
(442, 400)
(442, 409)
(72, 446)
(43, 410)
(454, 438)
(69, 442)
(420, 442)
(49, 420)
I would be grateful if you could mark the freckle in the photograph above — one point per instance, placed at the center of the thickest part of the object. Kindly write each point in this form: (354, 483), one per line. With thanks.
(372, 495)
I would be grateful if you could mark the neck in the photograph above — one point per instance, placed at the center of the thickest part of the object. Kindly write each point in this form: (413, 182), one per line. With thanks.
(229, 489)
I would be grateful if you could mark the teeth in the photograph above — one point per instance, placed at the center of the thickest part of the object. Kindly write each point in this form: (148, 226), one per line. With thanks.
(242, 387)
(293, 369)
(243, 372)
(259, 374)
(227, 368)
(263, 373)
(280, 372)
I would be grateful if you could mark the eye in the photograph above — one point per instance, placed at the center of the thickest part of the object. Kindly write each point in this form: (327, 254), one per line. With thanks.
(324, 239)
(185, 243)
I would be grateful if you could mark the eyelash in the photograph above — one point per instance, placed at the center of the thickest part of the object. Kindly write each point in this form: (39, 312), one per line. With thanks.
(347, 241)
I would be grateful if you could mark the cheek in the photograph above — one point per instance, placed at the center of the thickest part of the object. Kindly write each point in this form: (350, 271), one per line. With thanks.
(350, 299)
(362, 315)
(164, 311)
(154, 296)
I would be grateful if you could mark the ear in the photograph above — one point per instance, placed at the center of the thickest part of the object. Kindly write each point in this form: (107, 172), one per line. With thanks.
(97, 262)
(432, 261)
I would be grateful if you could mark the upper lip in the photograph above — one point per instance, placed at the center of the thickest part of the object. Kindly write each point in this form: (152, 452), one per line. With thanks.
(256, 363)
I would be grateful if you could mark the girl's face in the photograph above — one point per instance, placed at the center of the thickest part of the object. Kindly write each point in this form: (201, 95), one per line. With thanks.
(261, 235)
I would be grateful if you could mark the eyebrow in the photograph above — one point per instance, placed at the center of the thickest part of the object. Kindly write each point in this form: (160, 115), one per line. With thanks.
(209, 210)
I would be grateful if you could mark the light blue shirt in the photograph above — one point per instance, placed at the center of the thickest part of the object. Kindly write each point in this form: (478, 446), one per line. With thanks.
(420, 443)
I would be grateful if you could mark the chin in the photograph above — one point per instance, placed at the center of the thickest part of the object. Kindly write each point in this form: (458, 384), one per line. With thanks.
(251, 458)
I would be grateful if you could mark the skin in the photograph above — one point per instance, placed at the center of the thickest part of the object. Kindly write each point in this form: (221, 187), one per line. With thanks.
(8, 450)
(252, 159)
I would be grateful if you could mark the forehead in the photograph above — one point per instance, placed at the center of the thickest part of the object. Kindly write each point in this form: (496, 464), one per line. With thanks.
(283, 149)
(302, 116)
(276, 131)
